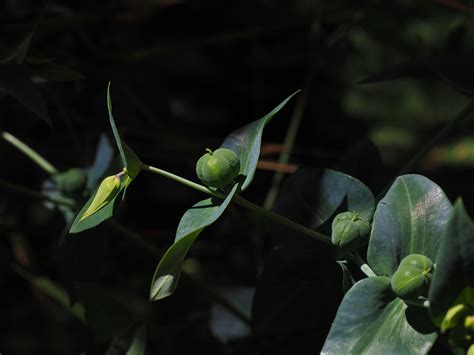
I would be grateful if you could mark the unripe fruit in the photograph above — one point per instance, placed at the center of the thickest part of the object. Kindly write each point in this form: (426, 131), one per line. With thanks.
(72, 181)
(348, 229)
(417, 260)
(412, 278)
(408, 282)
(219, 168)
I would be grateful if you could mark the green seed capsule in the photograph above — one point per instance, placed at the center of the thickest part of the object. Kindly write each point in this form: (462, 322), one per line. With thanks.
(348, 229)
(409, 282)
(419, 261)
(219, 168)
(107, 190)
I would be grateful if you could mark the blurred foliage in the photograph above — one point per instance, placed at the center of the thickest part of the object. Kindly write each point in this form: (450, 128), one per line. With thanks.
(185, 74)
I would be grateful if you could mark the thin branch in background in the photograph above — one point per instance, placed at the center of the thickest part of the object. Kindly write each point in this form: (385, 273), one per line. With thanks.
(9, 186)
(454, 4)
(30, 153)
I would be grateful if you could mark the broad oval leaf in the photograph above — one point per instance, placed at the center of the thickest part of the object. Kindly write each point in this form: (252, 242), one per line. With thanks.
(106, 211)
(198, 217)
(453, 279)
(245, 142)
(129, 158)
(311, 196)
(370, 320)
(409, 219)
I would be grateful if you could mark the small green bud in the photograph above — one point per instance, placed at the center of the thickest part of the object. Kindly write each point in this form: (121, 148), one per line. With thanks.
(348, 229)
(219, 168)
(72, 181)
(107, 190)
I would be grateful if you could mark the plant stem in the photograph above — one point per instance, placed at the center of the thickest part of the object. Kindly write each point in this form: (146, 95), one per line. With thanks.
(151, 249)
(38, 159)
(244, 203)
(282, 220)
(36, 194)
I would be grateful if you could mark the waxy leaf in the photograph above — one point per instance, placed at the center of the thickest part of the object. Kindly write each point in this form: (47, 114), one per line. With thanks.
(372, 321)
(139, 342)
(201, 215)
(106, 211)
(129, 158)
(245, 142)
(410, 219)
(453, 279)
(311, 196)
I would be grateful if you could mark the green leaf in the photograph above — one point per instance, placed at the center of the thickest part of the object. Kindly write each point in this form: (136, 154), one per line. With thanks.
(245, 142)
(53, 290)
(409, 219)
(105, 212)
(19, 54)
(311, 196)
(453, 279)
(370, 320)
(201, 215)
(107, 191)
(138, 343)
(129, 158)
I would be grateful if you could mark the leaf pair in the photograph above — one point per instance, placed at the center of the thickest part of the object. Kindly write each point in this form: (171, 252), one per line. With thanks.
(245, 142)
(410, 219)
(102, 203)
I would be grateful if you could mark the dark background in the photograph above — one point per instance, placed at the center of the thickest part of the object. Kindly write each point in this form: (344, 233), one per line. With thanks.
(184, 74)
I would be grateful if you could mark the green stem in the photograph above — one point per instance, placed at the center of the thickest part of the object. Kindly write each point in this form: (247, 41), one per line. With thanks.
(244, 203)
(38, 159)
(36, 194)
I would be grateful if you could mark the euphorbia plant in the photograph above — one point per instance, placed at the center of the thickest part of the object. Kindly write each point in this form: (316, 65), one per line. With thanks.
(416, 241)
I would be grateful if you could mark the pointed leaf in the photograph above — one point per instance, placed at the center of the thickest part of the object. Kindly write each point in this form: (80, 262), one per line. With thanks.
(101, 214)
(453, 279)
(371, 321)
(15, 80)
(129, 158)
(409, 219)
(246, 141)
(201, 215)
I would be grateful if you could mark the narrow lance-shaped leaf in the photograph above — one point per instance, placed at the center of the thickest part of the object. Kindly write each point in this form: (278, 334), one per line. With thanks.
(201, 215)
(371, 321)
(129, 158)
(410, 219)
(246, 141)
(453, 279)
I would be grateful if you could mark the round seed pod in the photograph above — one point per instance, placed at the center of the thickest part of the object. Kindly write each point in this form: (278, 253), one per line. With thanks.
(419, 261)
(409, 282)
(218, 168)
(348, 229)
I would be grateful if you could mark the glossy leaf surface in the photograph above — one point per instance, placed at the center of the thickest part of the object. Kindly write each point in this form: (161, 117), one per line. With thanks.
(370, 320)
(245, 142)
(410, 219)
(453, 279)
